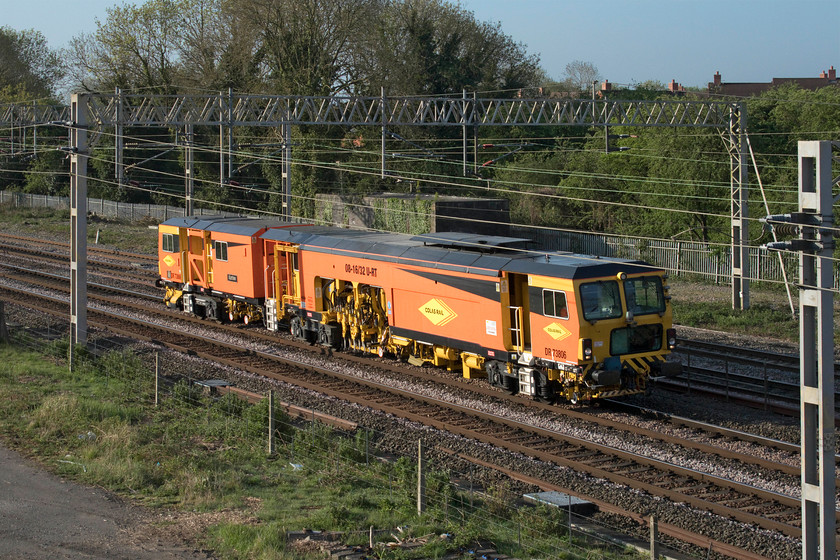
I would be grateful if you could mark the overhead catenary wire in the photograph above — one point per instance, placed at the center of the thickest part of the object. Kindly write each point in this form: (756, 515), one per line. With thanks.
(502, 189)
(645, 180)
(451, 181)
(247, 209)
(642, 179)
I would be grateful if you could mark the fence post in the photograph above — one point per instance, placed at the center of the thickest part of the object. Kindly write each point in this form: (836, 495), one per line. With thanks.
(421, 479)
(570, 518)
(4, 331)
(679, 257)
(271, 422)
(472, 474)
(157, 378)
(654, 537)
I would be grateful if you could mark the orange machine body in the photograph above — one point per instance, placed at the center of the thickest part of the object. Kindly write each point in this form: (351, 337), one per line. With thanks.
(550, 325)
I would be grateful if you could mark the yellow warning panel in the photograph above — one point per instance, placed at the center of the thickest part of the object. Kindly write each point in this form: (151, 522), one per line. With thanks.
(557, 331)
(437, 312)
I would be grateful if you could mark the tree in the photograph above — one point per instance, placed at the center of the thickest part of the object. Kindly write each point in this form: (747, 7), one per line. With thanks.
(778, 119)
(164, 46)
(29, 69)
(304, 47)
(650, 85)
(213, 51)
(687, 171)
(136, 48)
(435, 47)
(581, 75)
(307, 46)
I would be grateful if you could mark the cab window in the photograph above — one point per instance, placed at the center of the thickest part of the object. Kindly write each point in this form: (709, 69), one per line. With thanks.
(644, 295)
(167, 243)
(221, 250)
(554, 304)
(600, 300)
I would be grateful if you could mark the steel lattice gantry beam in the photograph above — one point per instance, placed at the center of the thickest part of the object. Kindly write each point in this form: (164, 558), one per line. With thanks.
(31, 114)
(260, 110)
(253, 110)
(229, 110)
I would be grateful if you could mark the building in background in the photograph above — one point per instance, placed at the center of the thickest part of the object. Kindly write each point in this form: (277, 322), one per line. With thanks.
(746, 89)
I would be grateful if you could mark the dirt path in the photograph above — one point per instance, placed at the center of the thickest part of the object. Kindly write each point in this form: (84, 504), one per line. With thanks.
(43, 516)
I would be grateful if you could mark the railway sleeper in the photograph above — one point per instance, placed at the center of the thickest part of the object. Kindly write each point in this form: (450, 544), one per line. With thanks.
(785, 514)
(693, 488)
(635, 470)
(741, 502)
(760, 507)
(582, 455)
(717, 493)
(605, 460)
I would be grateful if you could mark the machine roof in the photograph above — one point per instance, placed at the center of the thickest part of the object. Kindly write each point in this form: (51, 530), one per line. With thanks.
(235, 225)
(471, 241)
(459, 254)
(477, 254)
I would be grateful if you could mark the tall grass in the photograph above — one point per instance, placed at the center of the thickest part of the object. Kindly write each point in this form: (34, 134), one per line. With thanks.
(758, 320)
(207, 454)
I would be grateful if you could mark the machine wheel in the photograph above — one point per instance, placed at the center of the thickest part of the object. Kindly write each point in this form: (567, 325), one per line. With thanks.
(323, 339)
(545, 391)
(494, 374)
(297, 328)
(510, 384)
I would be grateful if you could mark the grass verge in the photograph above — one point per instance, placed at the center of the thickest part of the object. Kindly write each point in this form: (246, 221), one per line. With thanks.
(97, 425)
(46, 222)
(758, 320)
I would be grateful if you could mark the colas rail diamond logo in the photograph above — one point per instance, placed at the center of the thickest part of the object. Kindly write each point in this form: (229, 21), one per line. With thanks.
(168, 260)
(437, 312)
(557, 331)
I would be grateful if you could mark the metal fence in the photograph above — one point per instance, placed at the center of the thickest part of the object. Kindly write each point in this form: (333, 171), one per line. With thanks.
(106, 208)
(712, 262)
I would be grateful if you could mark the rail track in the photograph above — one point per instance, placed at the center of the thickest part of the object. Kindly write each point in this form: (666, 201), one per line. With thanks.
(746, 376)
(769, 510)
(150, 304)
(705, 491)
(743, 376)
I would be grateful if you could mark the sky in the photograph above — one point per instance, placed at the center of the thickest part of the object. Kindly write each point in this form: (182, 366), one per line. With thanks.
(628, 41)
